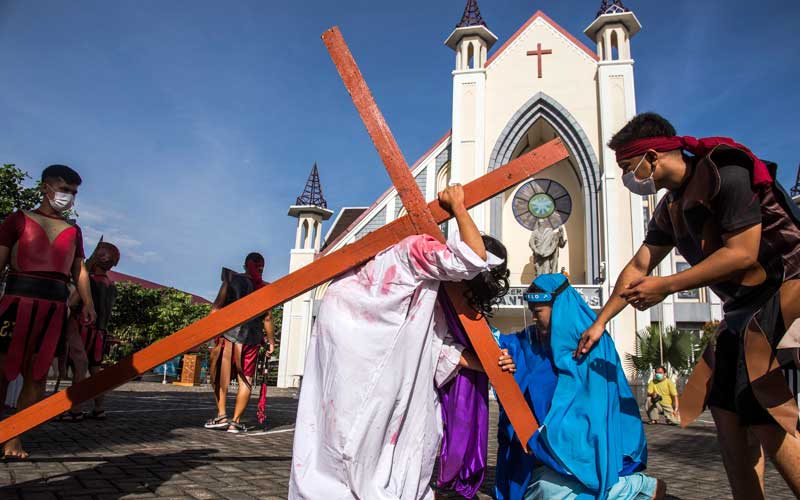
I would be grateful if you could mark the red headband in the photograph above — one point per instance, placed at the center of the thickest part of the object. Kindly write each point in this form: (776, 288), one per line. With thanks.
(698, 147)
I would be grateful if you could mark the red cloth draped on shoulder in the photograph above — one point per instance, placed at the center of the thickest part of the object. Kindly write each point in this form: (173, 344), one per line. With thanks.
(698, 147)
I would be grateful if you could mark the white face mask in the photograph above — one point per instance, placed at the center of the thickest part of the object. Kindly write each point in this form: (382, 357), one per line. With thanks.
(642, 187)
(61, 202)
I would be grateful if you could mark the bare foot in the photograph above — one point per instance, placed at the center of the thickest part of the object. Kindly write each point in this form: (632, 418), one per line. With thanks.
(661, 490)
(13, 449)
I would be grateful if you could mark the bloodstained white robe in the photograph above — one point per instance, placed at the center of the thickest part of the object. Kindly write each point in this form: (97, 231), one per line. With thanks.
(368, 420)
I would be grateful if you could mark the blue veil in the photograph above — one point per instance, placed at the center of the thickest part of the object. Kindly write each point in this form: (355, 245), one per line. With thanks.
(592, 430)
(536, 377)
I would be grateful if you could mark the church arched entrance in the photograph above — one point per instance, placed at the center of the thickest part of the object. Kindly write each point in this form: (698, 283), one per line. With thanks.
(542, 119)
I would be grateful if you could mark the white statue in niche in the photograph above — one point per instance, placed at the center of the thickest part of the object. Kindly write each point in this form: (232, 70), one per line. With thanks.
(545, 244)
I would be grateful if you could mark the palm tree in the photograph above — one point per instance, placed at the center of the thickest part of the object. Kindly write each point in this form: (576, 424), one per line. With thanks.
(675, 349)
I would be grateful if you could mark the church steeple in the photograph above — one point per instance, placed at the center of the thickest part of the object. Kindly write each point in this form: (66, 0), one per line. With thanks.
(472, 15)
(311, 210)
(613, 29)
(611, 7)
(471, 39)
(312, 193)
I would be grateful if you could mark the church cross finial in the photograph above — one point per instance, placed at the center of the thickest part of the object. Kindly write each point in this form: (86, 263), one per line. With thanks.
(611, 7)
(312, 194)
(472, 15)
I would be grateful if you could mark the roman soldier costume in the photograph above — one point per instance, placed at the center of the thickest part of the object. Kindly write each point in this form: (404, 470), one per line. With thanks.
(33, 309)
(248, 335)
(104, 292)
(729, 189)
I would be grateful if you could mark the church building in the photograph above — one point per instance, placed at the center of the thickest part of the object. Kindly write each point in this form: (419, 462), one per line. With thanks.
(509, 97)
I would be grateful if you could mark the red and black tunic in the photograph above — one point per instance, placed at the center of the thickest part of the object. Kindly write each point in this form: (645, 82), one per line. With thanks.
(33, 309)
(104, 292)
(718, 198)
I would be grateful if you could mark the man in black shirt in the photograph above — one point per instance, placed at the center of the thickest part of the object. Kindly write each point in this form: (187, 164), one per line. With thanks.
(735, 225)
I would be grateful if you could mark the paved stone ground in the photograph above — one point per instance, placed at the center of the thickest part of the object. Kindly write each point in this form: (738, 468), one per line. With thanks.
(153, 446)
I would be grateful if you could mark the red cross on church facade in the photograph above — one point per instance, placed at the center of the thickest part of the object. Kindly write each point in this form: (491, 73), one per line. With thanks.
(539, 53)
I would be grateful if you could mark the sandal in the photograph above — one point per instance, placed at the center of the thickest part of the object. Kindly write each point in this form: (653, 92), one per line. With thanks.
(652, 422)
(69, 416)
(96, 415)
(218, 422)
(236, 428)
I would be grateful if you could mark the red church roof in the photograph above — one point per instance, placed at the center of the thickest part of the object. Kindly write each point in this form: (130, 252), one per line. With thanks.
(126, 278)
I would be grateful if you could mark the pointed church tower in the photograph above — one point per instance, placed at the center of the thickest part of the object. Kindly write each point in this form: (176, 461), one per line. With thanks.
(311, 210)
(312, 194)
(612, 30)
(471, 40)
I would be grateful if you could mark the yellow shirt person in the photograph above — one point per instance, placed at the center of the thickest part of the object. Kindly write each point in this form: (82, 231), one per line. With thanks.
(662, 398)
(664, 388)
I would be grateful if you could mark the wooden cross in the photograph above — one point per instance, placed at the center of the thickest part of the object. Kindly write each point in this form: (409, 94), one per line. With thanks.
(539, 53)
(421, 217)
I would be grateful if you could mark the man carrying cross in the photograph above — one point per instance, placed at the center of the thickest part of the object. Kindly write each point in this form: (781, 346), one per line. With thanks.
(369, 420)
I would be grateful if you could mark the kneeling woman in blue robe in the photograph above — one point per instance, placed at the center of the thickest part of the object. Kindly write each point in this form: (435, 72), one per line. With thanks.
(590, 444)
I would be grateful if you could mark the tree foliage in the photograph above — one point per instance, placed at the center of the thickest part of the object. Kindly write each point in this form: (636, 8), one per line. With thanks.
(681, 349)
(277, 320)
(142, 316)
(709, 335)
(13, 193)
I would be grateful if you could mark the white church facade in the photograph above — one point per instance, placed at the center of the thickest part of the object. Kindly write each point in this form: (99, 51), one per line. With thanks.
(508, 98)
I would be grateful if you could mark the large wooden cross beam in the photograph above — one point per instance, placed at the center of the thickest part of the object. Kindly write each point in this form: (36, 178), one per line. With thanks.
(422, 220)
(326, 268)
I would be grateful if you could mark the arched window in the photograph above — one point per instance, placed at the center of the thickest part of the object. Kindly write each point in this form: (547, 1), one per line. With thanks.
(614, 46)
(313, 242)
(442, 178)
(304, 235)
(471, 55)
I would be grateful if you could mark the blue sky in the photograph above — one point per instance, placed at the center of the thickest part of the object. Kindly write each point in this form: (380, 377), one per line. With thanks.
(195, 123)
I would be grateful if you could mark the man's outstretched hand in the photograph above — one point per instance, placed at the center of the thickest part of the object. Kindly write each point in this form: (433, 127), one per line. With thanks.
(589, 339)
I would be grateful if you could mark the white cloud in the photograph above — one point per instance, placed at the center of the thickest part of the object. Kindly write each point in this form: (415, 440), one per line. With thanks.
(129, 247)
(88, 214)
